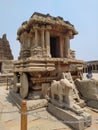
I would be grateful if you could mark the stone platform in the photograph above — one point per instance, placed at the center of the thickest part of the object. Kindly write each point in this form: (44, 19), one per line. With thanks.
(68, 117)
(31, 104)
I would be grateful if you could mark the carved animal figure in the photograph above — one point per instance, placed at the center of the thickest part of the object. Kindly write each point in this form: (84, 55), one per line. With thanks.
(60, 90)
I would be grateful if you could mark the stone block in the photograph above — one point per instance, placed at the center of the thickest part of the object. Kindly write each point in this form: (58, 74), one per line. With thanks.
(88, 88)
(31, 104)
(69, 118)
(93, 103)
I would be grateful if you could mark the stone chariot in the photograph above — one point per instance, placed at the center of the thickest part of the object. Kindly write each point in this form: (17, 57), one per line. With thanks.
(45, 53)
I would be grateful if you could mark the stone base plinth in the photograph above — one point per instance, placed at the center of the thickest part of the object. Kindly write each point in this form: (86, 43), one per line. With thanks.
(68, 117)
(31, 104)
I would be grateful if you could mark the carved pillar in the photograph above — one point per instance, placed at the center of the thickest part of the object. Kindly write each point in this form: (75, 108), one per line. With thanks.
(34, 48)
(69, 35)
(61, 47)
(42, 38)
(36, 37)
(67, 47)
(48, 42)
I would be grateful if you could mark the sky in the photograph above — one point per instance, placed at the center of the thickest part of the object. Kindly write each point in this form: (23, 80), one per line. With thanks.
(83, 14)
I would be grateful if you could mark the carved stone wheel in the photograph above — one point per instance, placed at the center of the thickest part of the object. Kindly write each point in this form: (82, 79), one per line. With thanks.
(15, 87)
(24, 85)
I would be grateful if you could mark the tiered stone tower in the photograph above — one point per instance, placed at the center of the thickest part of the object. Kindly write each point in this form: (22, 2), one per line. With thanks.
(5, 51)
(6, 61)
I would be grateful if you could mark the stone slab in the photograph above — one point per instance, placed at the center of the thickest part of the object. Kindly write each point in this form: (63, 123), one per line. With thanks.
(93, 103)
(67, 116)
(31, 104)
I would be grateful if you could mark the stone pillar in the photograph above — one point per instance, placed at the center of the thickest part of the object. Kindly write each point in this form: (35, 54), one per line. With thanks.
(48, 42)
(36, 37)
(35, 44)
(42, 39)
(61, 47)
(69, 35)
(26, 51)
(67, 47)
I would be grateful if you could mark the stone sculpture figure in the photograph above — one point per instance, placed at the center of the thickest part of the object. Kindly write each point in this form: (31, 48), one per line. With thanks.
(64, 94)
(75, 93)
(60, 91)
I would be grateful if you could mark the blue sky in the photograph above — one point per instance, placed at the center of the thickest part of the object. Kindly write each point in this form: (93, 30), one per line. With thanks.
(83, 14)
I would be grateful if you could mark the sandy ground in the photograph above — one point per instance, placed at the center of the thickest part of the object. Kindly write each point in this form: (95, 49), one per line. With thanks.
(39, 120)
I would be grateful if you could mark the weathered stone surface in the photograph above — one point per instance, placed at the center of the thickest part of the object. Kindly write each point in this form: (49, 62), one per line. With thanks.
(67, 117)
(7, 66)
(44, 56)
(40, 32)
(93, 103)
(46, 90)
(60, 92)
(24, 88)
(65, 94)
(6, 72)
(88, 88)
(31, 104)
(6, 61)
(45, 50)
(79, 122)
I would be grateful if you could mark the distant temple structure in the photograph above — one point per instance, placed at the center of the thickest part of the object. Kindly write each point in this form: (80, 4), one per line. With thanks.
(6, 60)
(5, 55)
(5, 51)
(93, 65)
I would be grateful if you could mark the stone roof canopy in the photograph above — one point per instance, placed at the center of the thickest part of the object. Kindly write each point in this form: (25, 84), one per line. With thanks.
(41, 19)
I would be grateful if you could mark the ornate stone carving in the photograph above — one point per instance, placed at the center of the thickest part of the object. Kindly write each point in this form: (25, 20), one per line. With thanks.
(36, 52)
(65, 94)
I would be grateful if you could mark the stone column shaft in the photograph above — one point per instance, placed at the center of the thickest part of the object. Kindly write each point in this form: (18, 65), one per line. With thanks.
(48, 42)
(61, 47)
(67, 47)
(36, 37)
(42, 39)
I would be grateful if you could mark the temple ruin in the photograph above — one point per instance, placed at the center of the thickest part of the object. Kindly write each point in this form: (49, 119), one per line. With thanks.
(93, 65)
(5, 51)
(47, 68)
(6, 60)
(45, 51)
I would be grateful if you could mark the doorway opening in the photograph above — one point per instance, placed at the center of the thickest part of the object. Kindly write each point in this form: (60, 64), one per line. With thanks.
(55, 47)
